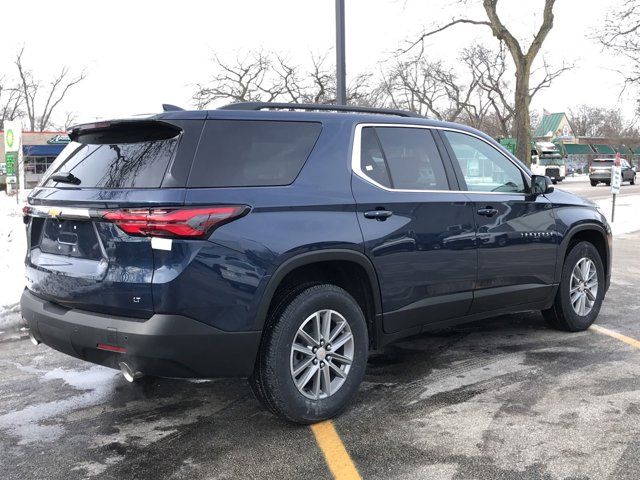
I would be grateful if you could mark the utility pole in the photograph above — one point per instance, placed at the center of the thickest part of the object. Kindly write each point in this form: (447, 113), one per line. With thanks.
(341, 86)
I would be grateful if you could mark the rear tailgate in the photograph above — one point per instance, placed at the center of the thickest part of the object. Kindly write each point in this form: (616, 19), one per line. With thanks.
(78, 259)
(601, 166)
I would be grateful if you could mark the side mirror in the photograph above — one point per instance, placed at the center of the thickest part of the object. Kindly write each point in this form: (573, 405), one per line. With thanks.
(541, 184)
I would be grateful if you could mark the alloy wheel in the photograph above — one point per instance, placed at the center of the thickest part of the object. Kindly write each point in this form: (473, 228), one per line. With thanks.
(321, 354)
(583, 287)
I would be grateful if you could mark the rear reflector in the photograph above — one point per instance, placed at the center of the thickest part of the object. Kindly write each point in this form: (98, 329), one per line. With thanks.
(111, 348)
(195, 222)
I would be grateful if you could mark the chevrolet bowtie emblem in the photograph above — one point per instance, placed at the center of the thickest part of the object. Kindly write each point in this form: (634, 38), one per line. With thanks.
(54, 212)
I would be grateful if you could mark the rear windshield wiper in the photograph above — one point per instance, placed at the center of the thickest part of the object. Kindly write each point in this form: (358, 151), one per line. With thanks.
(65, 177)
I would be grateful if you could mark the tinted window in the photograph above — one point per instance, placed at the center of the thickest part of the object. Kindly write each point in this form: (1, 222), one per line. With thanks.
(372, 162)
(413, 158)
(483, 167)
(241, 153)
(114, 165)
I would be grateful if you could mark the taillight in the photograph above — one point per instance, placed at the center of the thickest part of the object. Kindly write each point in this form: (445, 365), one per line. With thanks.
(196, 222)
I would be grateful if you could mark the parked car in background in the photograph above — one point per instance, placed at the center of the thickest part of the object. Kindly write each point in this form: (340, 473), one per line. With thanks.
(283, 243)
(600, 171)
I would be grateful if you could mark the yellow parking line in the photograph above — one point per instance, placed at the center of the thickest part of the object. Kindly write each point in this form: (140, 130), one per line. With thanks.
(623, 338)
(337, 457)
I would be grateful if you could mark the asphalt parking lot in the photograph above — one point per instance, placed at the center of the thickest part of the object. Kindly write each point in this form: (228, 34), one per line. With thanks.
(503, 398)
(580, 185)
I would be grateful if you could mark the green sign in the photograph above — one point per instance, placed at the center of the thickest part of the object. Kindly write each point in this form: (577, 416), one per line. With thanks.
(11, 159)
(10, 138)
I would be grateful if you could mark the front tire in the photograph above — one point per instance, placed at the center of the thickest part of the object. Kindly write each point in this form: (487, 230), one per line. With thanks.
(313, 356)
(633, 180)
(580, 292)
(594, 183)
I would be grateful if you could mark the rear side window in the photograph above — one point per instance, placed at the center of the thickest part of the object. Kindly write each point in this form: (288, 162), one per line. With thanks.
(244, 153)
(131, 157)
(372, 161)
(413, 158)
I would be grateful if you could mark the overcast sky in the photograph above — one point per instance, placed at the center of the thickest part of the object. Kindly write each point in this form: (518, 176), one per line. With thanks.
(140, 54)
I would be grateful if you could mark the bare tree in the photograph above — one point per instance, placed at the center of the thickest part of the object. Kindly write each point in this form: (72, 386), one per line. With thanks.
(10, 102)
(266, 77)
(495, 95)
(247, 79)
(429, 88)
(621, 36)
(523, 59)
(69, 120)
(591, 121)
(39, 117)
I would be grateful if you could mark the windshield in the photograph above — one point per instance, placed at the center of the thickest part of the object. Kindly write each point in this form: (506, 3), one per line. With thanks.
(551, 161)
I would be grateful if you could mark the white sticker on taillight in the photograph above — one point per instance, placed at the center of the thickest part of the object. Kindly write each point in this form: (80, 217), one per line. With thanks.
(159, 243)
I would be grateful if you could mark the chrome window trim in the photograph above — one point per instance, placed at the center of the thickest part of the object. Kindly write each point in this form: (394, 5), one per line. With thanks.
(357, 145)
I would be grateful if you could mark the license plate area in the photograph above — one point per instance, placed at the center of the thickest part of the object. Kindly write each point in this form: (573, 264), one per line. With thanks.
(72, 238)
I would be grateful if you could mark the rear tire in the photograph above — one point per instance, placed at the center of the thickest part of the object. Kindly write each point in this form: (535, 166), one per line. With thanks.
(286, 360)
(633, 180)
(577, 302)
(608, 184)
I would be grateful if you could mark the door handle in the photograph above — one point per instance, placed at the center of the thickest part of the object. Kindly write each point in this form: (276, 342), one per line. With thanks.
(487, 211)
(379, 215)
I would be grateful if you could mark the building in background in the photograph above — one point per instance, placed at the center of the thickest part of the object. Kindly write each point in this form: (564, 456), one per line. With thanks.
(579, 151)
(554, 127)
(39, 149)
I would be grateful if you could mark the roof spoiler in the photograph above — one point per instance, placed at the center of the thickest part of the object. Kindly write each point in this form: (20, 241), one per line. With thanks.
(129, 127)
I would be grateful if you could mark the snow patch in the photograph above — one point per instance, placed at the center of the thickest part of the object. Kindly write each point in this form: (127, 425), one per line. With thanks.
(13, 246)
(29, 425)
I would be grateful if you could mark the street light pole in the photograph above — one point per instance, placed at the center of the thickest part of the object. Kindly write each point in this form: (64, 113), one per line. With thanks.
(341, 87)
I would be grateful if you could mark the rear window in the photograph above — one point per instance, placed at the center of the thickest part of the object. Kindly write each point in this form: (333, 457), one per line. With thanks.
(135, 157)
(243, 153)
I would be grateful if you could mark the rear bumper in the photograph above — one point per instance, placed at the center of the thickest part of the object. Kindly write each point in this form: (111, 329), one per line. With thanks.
(163, 345)
(600, 177)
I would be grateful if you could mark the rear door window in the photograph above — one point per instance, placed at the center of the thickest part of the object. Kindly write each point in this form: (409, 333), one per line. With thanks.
(372, 161)
(246, 153)
(413, 158)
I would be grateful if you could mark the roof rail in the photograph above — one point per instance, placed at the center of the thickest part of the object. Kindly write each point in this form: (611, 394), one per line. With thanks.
(314, 106)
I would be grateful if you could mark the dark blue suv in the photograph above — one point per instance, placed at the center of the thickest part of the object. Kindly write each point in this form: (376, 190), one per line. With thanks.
(283, 242)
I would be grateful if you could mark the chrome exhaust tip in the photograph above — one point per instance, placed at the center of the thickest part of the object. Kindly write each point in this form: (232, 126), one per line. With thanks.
(33, 339)
(129, 374)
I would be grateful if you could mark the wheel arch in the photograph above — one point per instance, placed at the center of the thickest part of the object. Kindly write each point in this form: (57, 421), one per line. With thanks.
(593, 233)
(326, 261)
